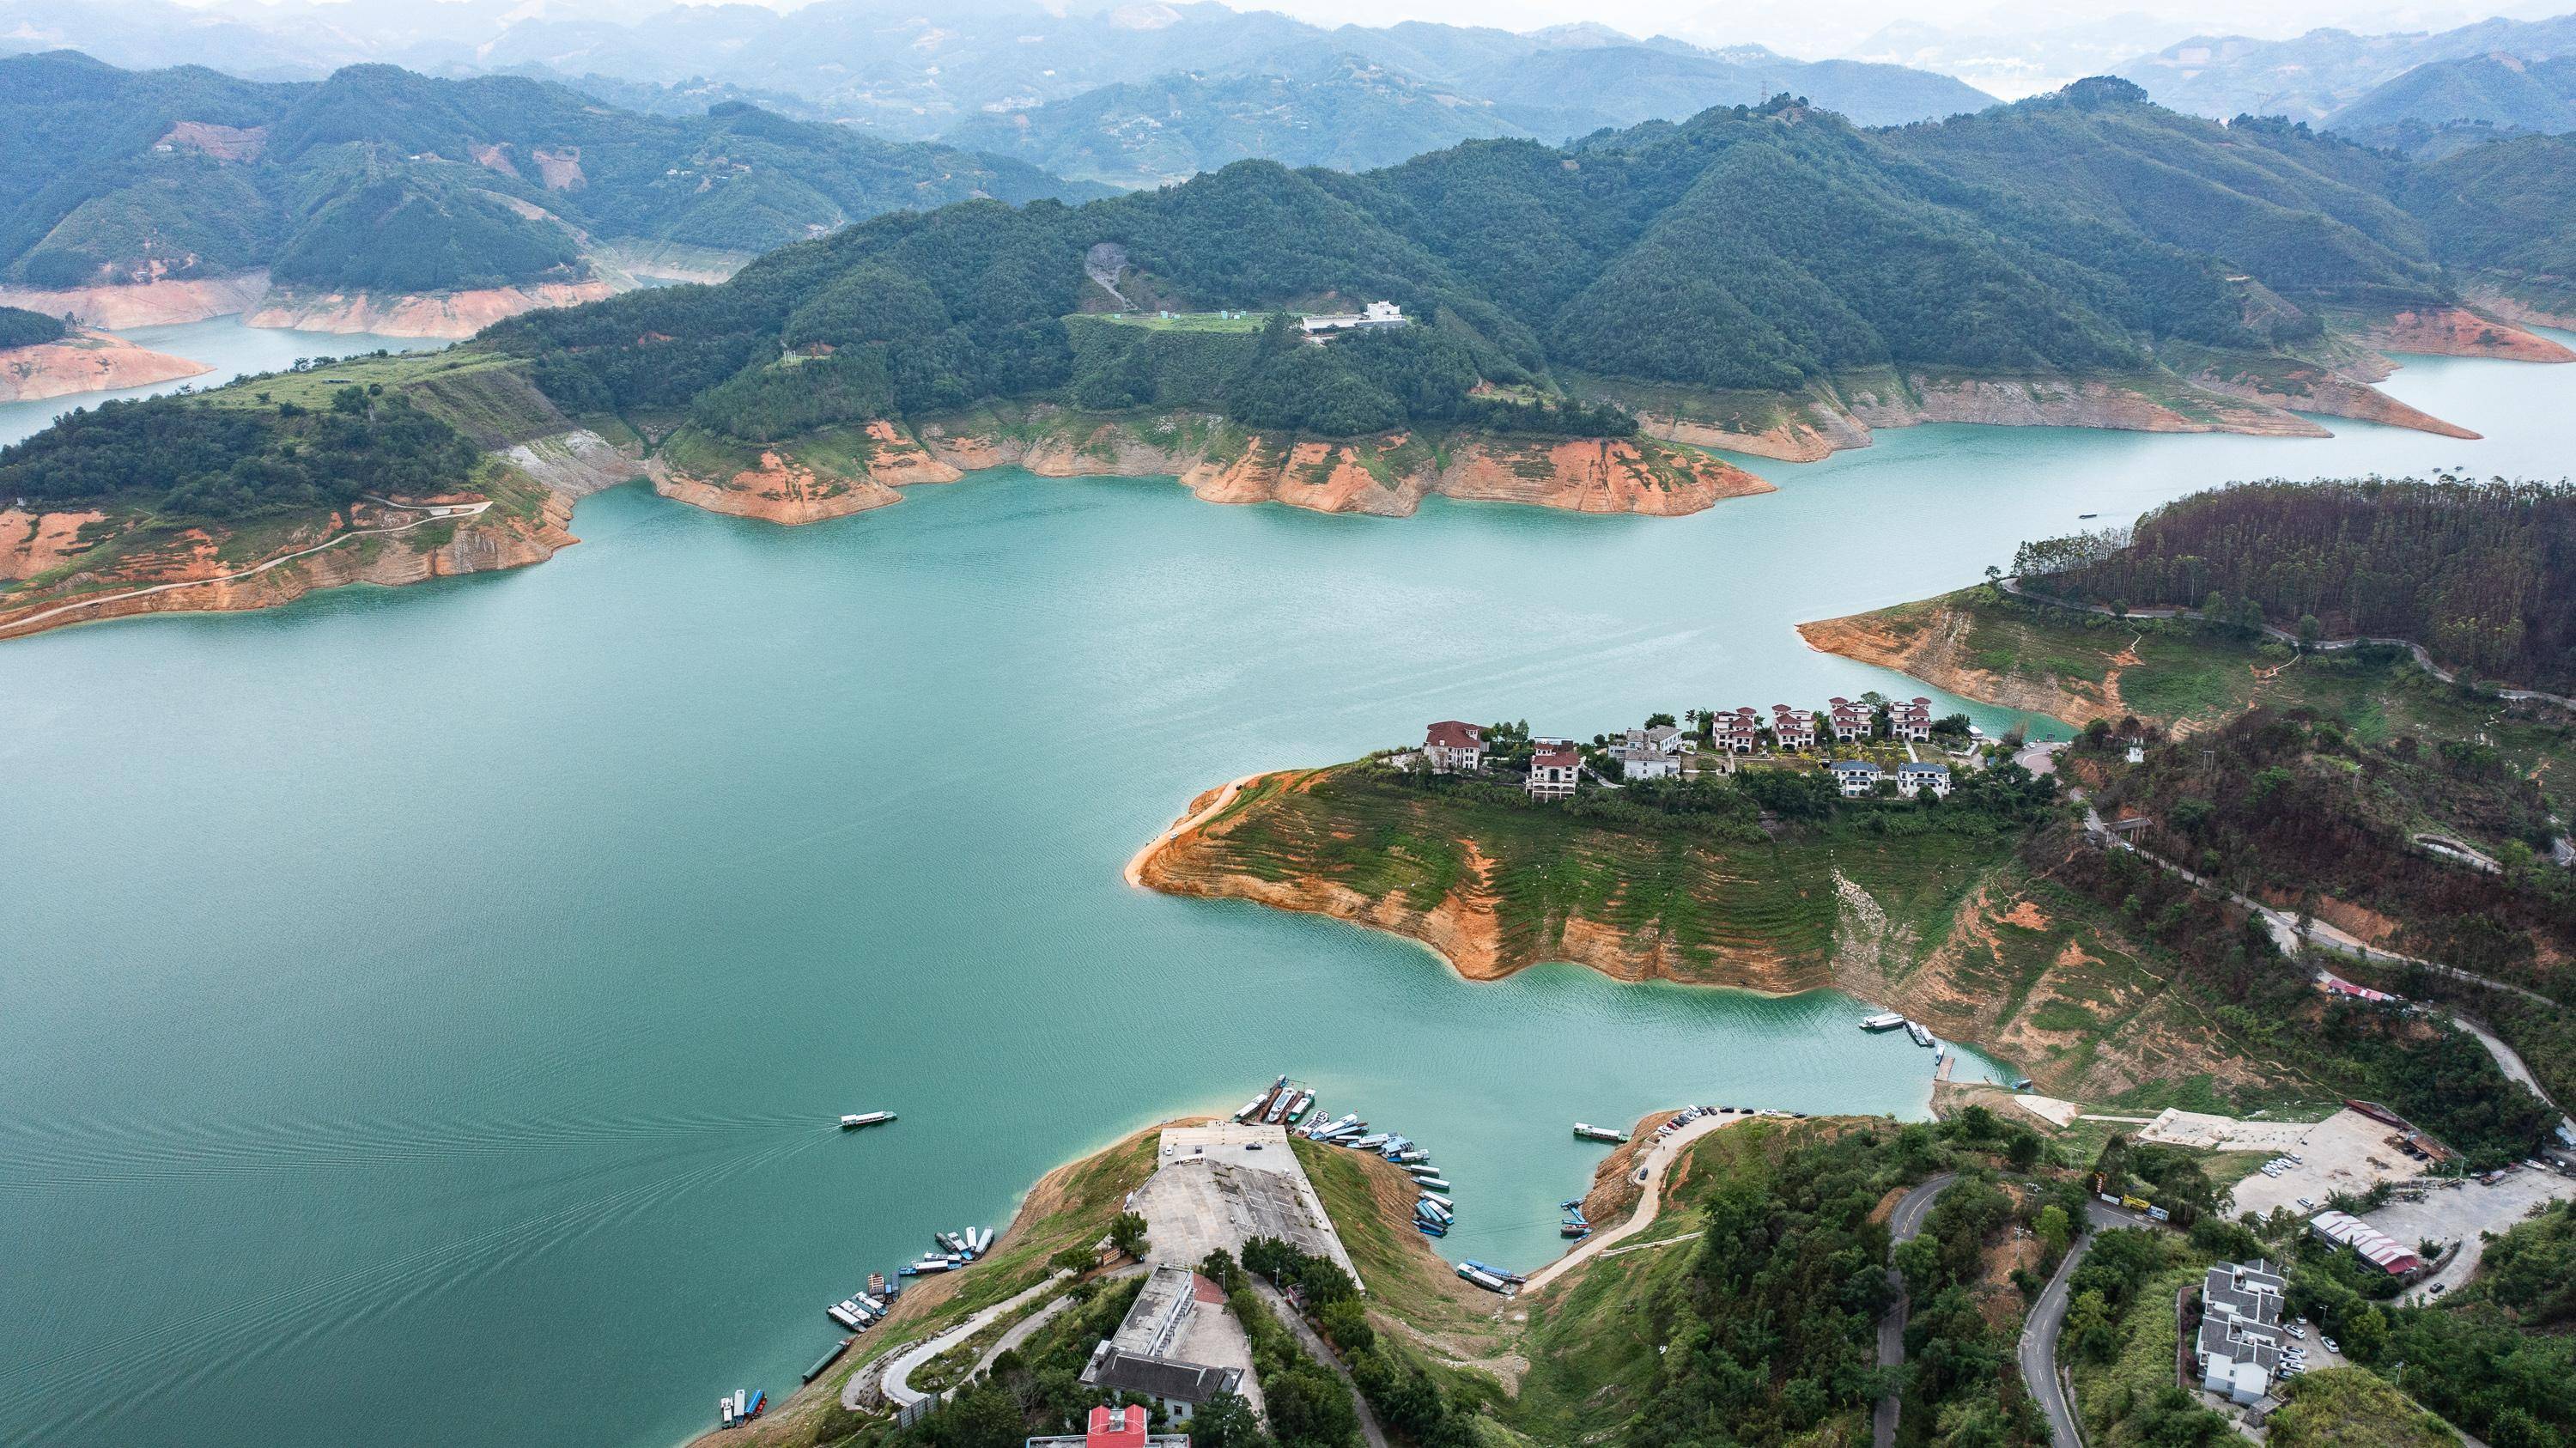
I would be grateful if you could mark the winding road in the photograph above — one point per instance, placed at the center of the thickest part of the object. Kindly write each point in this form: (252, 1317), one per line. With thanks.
(431, 513)
(2039, 1331)
(1322, 1352)
(1659, 1159)
(1903, 1225)
(897, 1379)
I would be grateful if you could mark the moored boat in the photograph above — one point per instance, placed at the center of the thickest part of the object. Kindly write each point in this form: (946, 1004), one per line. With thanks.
(1590, 1132)
(1883, 1021)
(826, 1360)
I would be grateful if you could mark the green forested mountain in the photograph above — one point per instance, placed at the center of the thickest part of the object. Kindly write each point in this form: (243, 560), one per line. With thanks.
(1746, 249)
(1353, 113)
(2450, 103)
(381, 178)
(1350, 115)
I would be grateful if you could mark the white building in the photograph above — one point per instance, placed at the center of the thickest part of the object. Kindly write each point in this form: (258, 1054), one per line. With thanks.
(1913, 777)
(1377, 316)
(1453, 747)
(1553, 772)
(1856, 777)
(2238, 1348)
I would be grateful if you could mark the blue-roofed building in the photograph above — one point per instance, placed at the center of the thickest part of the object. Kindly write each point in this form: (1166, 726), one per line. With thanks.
(1913, 777)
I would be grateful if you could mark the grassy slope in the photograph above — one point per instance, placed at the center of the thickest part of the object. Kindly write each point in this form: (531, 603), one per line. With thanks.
(1724, 911)
(1972, 941)
(2177, 673)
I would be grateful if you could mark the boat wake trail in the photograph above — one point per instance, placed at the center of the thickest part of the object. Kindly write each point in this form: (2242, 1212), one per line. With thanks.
(102, 1378)
(42, 1156)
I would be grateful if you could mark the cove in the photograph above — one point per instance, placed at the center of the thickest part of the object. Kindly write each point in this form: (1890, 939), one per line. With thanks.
(221, 343)
(427, 1008)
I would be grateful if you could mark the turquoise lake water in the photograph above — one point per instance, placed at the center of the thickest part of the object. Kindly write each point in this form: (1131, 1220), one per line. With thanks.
(426, 1008)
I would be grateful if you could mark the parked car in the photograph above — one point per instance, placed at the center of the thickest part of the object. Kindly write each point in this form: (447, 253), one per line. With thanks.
(2306, 1206)
(2330, 1345)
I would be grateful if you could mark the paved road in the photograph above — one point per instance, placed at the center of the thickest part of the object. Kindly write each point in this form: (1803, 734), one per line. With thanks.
(898, 1373)
(1903, 1225)
(1021, 1331)
(430, 513)
(1659, 1159)
(2284, 925)
(1322, 1353)
(2048, 1315)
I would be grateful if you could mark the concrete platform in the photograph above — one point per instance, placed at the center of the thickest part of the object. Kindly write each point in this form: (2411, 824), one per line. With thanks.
(1223, 1184)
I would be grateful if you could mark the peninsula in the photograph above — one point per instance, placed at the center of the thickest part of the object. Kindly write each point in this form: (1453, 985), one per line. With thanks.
(43, 357)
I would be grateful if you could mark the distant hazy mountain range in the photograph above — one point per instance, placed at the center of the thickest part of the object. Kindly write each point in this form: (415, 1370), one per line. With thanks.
(1228, 82)
(2453, 103)
(1354, 114)
(2322, 72)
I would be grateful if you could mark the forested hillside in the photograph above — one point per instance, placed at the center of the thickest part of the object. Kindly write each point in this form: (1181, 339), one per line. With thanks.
(1764, 249)
(2479, 573)
(1350, 116)
(22, 328)
(379, 178)
(2451, 103)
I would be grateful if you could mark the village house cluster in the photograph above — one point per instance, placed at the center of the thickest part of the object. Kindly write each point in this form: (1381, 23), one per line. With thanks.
(1665, 750)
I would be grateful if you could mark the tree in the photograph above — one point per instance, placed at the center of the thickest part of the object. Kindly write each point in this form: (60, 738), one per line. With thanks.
(2310, 630)
(1226, 1421)
(1127, 1234)
(2054, 1232)
(2023, 1152)
(1656, 721)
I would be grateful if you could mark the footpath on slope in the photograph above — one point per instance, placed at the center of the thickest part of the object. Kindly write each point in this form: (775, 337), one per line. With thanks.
(1214, 807)
(1659, 1159)
(432, 513)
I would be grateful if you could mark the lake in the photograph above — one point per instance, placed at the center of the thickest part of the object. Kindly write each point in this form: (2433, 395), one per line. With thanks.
(428, 1008)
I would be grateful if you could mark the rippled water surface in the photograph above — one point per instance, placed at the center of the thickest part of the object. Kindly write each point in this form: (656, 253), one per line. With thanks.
(425, 1009)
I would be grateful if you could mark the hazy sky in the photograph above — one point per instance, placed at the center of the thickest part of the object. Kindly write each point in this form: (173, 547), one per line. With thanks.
(1815, 28)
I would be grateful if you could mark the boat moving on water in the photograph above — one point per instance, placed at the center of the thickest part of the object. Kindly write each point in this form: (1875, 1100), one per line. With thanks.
(865, 1118)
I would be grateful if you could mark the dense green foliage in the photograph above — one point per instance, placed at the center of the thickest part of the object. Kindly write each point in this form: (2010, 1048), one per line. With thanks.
(1769, 247)
(381, 178)
(2479, 573)
(184, 459)
(2494, 93)
(1777, 1331)
(22, 328)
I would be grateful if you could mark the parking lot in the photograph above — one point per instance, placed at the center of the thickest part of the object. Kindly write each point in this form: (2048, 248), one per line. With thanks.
(2459, 1213)
(2346, 1152)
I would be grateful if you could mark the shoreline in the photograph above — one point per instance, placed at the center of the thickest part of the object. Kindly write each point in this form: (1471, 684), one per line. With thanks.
(1197, 814)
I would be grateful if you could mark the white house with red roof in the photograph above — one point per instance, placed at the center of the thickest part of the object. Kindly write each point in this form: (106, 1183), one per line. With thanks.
(1792, 728)
(1910, 720)
(1454, 747)
(1553, 771)
(1850, 722)
(1736, 733)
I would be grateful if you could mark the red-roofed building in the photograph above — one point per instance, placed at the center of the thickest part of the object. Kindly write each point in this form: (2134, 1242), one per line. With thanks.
(1122, 1427)
(1454, 747)
(1553, 772)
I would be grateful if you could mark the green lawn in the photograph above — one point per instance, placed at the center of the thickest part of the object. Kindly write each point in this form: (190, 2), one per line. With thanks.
(1186, 321)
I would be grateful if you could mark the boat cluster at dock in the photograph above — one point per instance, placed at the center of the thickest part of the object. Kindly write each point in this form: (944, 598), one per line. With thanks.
(1891, 1020)
(864, 1309)
(741, 1406)
(1289, 1103)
